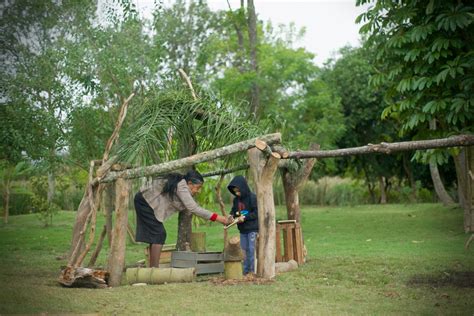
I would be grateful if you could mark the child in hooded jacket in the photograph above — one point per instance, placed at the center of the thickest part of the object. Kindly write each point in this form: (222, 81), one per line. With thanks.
(245, 206)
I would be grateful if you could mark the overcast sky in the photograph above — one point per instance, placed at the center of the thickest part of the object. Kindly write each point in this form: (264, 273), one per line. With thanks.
(330, 24)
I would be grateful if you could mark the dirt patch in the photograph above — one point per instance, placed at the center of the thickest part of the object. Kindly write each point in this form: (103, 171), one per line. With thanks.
(460, 279)
(247, 279)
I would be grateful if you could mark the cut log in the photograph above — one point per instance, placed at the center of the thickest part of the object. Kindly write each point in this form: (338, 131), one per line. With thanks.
(281, 150)
(281, 267)
(263, 171)
(233, 259)
(167, 167)
(260, 144)
(160, 275)
(233, 252)
(233, 270)
(198, 241)
(83, 277)
(116, 259)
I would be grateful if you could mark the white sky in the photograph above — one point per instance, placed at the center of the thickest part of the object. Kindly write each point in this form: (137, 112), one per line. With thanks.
(330, 24)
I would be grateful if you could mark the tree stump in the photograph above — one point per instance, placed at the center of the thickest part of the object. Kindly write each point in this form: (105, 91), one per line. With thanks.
(198, 241)
(233, 259)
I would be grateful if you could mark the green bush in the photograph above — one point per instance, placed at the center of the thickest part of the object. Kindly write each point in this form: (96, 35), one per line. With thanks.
(332, 191)
(425, 196)
(20, 201)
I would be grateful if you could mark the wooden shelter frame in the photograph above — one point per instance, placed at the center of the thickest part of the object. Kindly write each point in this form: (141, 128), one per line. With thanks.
(265, 155)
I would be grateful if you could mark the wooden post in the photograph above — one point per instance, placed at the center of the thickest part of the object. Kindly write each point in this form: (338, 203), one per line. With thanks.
(263, 170)
(108, 207)
(116, 259)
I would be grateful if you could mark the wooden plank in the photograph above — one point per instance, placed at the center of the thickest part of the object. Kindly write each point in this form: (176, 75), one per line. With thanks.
(289, 244)
(204, 268)
(179, 263)
(211, 256)
(287, 221)
(185, 255)
(299, 245)
(278, 256)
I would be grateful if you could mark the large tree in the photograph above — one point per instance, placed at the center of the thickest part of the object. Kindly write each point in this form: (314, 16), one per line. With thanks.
(425, 58)
(34, 82)
(348, 77)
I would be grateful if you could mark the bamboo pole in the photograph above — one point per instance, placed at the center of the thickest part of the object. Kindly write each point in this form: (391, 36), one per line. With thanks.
(160, 275)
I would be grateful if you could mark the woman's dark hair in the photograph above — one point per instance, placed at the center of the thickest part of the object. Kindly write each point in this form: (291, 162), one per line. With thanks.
(173, 179)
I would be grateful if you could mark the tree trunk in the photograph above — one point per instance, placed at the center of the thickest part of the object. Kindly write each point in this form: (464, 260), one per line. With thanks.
(185, 218)
(6, 200)
(411, 179)
(51, 186)
(108, 207)
(387, 148)
(184, 230)
(253, 42)
(116, 258)
(383, 193)
(464, 163)
(370, 185)
(263, 170)
(294, 177)
(291, 198)
(439, 186)
(82, 215)
(187, 162)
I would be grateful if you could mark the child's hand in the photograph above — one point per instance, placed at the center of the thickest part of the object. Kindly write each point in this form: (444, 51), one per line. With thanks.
(241, 219)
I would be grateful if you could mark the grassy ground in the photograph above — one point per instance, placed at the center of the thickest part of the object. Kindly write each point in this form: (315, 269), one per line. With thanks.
(394, 259)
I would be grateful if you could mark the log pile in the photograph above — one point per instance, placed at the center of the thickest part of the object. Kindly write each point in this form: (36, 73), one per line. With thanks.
(84, 277)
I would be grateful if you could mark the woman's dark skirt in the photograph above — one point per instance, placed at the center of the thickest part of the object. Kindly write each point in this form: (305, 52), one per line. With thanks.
(149, 229)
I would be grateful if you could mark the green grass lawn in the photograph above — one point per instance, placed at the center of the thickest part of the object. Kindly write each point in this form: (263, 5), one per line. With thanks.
(371, 259)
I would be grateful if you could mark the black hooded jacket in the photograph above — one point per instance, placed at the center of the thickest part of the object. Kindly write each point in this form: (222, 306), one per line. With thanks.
(248, 201)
